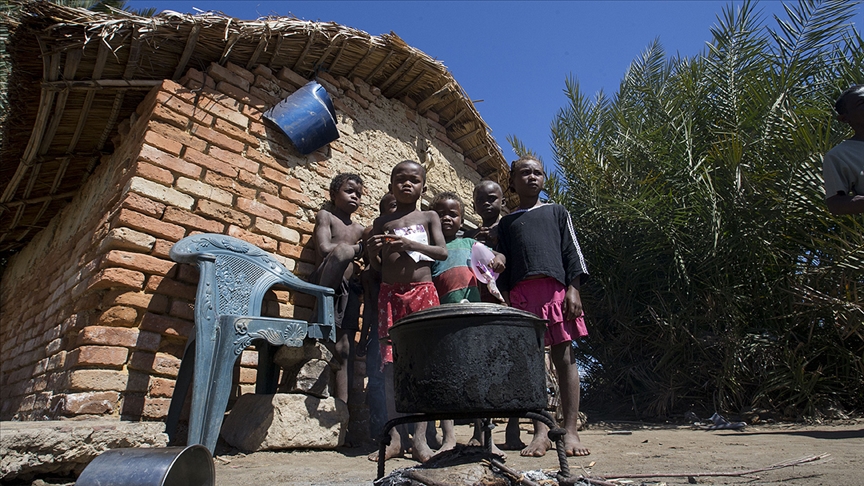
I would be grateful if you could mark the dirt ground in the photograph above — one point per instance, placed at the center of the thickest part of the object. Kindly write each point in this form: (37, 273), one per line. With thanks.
(647, 449)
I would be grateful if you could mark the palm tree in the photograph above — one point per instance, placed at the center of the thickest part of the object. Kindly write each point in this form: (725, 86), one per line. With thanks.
(719, 279)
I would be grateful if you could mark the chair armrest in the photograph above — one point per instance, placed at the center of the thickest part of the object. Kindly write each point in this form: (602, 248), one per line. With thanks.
(275, 330)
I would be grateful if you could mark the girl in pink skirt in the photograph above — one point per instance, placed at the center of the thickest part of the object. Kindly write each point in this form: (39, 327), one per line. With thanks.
(545, 269)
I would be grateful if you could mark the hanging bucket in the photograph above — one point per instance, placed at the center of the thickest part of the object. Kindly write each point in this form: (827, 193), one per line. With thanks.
(159, 466)
(307, 117)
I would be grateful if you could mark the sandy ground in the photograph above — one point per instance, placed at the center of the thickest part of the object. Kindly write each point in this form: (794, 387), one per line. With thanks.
(648, 449)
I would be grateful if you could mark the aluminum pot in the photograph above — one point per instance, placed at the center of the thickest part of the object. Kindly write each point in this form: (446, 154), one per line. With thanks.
(158, 466)
(467, 358)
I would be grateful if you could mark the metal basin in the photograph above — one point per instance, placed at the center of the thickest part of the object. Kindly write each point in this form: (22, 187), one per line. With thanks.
(159, 466)
(469, 358)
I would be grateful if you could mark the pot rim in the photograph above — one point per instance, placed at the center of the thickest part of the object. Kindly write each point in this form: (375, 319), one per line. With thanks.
(467, 309)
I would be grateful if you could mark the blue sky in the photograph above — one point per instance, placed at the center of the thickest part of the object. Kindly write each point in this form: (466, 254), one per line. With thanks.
(514, 55)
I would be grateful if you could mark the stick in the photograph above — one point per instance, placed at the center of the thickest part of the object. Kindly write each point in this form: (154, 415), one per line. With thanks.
(512, 473)
(780, 465)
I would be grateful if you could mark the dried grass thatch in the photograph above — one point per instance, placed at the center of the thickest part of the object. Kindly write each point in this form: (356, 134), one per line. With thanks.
(76, 74)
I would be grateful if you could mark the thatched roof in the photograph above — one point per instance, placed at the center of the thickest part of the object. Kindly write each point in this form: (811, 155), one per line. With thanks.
(76, 74)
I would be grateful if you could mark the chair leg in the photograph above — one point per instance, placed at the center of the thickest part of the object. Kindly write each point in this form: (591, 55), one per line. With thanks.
(181, 389)
(202, 377)
(268, 373)
(220, 389)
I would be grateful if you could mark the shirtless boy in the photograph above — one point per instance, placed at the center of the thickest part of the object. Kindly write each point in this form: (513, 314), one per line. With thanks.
(403, 245)
(337, 245)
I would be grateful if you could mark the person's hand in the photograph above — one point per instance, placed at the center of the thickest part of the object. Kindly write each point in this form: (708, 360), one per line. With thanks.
(572, 303)
(497, 264)
(482, 234)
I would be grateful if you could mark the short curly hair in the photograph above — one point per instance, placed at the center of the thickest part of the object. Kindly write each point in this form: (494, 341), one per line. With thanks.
(840, 104)
(340, 179)
(449, 196)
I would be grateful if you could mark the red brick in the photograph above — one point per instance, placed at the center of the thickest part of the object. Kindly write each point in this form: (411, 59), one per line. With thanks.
(149, 225)
(240, 95)
(299, 225)
(287, 207)
(254, 180)
(258, 209)
(116, 277)
(139, 261)
(169, 326)
(162, 248)
(143, 205)
(193, 73)
(134, 300)
(294, 183)
(97, 356)
(239, 71)
(87, 403)
(216, 138)
(267, 97)
(160, 387)
(109, 336)
(155, 408)
(161, 363)
(148, 341)
(171, 288)
(291, 250)
(171, 117)
(296, 197)
(264, 242)
(223, 213)
(230, 184)
(167, 161)
(188, 274)
(264, 159)
(232, 131)
(288, 75)
(224, 75)
(221, 111)
(181, 136)
(153, 173)
(182, 310)
(211, 163)
(257, 129)
(190, 220)
(234, 159)
(276, 176)
(119, 315)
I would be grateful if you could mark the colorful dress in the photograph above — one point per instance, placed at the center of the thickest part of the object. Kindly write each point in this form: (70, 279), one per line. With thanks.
(453, 277)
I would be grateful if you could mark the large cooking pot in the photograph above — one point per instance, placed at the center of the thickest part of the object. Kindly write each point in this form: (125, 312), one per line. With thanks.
(469, 357)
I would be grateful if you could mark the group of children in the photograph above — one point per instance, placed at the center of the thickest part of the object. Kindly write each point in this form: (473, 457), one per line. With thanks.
(416, 259)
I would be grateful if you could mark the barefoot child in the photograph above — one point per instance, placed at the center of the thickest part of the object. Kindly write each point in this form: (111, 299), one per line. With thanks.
(337, 244)
(453, 277)
(403, 245)
(368, 344)
(544, 271)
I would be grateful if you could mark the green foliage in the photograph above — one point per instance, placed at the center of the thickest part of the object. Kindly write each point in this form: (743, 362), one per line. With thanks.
(719, 279)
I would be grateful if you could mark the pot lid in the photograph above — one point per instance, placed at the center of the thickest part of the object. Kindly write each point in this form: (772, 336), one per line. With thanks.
(467, 309)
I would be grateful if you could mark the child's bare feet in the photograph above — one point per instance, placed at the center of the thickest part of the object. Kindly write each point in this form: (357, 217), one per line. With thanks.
(421, 452)
(538, 446)
(573, 446)
(392, 450)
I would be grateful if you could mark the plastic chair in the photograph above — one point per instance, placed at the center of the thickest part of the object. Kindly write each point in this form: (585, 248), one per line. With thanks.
(234, 276)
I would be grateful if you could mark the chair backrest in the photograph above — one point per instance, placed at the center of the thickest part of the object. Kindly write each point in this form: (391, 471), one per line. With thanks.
(234, 275)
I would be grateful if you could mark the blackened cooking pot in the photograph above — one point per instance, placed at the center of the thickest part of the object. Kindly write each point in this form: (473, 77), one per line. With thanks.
(469, 357)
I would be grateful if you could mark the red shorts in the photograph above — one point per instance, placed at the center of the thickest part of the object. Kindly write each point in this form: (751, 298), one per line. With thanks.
(544, 297)
(396, 301)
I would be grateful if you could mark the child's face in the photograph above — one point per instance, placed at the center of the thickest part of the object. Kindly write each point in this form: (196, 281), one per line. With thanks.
(487, 201)
(528, 178)
(347, 198)
(387, 205)
(407, 183)
(450, 213)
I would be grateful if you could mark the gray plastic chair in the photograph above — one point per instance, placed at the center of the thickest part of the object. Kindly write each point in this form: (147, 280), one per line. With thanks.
(234, 276)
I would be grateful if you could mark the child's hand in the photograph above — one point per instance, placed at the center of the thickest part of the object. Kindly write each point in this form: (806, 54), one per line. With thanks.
(497, 264)
(482, 234)
(572, 303)
(376, 242)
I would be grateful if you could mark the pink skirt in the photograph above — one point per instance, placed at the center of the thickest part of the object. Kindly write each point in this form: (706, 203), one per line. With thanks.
(544, 297)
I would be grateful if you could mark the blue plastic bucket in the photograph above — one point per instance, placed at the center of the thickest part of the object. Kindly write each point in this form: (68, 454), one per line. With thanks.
(307, 117)
(159, 466)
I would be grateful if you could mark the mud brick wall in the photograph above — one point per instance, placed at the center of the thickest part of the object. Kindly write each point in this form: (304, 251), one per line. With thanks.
(93, 313)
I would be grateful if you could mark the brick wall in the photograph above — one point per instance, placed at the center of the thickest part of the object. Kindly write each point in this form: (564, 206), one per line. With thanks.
(93, 313)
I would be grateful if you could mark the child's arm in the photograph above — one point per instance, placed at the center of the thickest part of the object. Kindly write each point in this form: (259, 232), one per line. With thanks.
(499, 263)
(374, 244)
(572, 300)
(323, 234)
